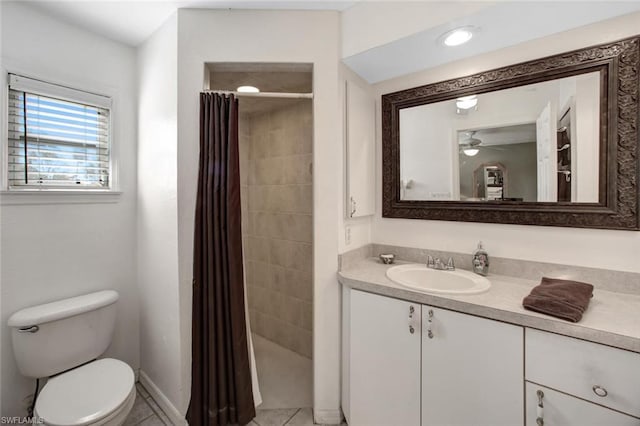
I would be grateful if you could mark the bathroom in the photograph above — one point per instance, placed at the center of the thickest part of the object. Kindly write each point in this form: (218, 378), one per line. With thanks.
(137, 238)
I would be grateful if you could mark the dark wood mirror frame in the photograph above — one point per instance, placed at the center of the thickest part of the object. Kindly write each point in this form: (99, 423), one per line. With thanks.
(619, 65)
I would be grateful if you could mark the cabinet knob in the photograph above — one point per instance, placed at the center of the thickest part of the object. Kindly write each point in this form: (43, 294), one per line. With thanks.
(412, 310)
(430, 322)
(540, 409)
(600, 391)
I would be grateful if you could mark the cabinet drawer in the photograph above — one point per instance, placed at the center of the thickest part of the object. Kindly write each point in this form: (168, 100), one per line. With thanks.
(583, 368)
(564, 410)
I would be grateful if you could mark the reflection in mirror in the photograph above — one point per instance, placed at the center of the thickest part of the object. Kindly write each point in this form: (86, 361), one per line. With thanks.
(534, 143)
(498, 163)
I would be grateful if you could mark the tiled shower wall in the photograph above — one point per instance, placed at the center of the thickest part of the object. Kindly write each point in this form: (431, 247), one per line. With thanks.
(277, 196)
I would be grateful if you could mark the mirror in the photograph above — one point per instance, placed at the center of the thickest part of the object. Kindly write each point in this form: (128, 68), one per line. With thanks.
(545, 135)
(545, 142)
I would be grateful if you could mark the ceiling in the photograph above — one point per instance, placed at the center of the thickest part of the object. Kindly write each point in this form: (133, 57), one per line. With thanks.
(132, 22)
(288, 78)
(506, 135)
(500, 24)
(294, 78)
(251, 106)
(504, 24)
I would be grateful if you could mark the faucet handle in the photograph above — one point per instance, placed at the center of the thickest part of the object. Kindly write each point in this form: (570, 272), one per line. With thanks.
(450, 265)
(430, 261)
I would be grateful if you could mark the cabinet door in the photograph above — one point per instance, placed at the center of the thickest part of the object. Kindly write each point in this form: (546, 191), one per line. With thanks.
(384, 361)
(559, 409)
(472, 370)
(360, 130)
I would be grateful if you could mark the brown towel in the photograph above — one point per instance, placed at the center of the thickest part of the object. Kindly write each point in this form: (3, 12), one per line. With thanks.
(559, 298)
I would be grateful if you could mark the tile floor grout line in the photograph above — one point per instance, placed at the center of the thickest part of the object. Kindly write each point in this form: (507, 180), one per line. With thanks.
(150, 406)
(294, 414)
(146, 418)
(155, 413)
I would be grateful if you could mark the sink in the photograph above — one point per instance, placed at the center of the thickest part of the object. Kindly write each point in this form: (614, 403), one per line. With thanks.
(419, 277)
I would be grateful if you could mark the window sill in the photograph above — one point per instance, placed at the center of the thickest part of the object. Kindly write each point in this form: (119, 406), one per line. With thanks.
(53, 196)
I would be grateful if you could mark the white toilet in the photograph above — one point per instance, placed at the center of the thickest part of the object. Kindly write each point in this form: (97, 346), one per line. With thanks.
(61, 341)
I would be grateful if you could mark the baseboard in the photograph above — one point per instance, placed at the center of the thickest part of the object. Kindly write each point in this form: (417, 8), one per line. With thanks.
(327, 417)
(165, 404)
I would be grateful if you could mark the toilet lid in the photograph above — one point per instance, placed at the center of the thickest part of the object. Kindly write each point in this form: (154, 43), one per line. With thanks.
(85, 394)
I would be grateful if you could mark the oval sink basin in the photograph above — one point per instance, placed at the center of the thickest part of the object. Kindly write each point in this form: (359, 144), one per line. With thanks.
(419, 277)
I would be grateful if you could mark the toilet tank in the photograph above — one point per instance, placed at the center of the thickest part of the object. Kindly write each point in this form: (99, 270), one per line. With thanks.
(54, 337)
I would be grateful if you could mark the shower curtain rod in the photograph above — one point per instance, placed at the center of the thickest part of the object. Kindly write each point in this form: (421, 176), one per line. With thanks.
(264, 94)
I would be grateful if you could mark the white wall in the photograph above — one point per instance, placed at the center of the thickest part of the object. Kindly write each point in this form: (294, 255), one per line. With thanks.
(160, 352)
(426, 159)
(2, 132)
(262, 36)
(583, 247)
(587, 132)
(52, 251)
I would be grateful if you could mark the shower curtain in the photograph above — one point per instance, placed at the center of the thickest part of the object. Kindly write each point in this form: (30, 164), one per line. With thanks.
(223, 368)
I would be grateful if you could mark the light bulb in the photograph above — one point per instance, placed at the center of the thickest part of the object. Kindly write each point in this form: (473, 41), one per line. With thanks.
(466, 102)
(457, 37)
(247, 89)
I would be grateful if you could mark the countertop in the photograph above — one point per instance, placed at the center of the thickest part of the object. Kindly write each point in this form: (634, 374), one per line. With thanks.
(612, 318)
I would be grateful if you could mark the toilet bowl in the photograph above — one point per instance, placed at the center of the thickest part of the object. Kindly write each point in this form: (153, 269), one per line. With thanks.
(101, 392)
(62, 341)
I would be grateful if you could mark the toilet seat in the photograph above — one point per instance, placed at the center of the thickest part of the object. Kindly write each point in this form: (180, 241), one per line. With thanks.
(91, 394)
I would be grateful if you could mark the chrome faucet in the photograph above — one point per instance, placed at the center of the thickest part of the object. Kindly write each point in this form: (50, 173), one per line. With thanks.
(437, 263)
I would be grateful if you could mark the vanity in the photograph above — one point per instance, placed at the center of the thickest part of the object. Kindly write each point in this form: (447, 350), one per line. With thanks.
(416, 358)
(548, 142)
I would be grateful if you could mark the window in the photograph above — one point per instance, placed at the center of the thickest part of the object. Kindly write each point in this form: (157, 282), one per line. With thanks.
(58, 138)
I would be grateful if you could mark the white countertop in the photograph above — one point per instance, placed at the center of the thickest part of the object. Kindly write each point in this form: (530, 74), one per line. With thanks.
(612, 318)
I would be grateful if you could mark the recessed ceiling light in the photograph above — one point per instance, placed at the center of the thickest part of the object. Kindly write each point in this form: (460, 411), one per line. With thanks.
(457, 37)
(248, 89)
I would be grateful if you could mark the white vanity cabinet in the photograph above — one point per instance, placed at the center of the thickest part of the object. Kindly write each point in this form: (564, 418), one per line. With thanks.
(469, 372)
(472, 370)
(582, 383)
(381, 360)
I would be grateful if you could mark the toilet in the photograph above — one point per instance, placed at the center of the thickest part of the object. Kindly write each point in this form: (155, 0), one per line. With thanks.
(62, 341)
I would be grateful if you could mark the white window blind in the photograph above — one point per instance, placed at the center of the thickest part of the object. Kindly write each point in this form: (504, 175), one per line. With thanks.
(56, 138)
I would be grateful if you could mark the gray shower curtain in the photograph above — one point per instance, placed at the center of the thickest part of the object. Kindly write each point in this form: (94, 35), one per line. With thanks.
(221, 391)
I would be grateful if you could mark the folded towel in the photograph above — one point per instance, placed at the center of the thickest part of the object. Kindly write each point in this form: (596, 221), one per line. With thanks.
(559, 298)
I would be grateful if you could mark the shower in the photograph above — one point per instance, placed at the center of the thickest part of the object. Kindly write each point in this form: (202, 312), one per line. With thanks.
(276, 156)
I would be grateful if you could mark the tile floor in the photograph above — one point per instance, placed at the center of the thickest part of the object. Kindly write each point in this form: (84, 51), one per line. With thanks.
(285, 377)
(145, 411)
(282, 417)
(285, 383)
